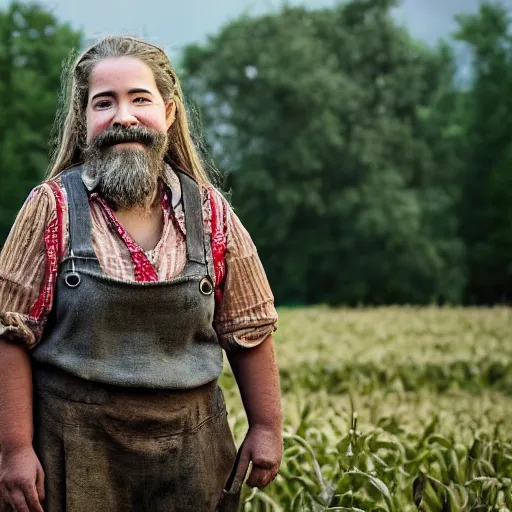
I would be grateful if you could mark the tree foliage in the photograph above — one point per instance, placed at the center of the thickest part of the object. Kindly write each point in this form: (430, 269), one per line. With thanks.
(486, 212)
(335, 130)
(33, 45)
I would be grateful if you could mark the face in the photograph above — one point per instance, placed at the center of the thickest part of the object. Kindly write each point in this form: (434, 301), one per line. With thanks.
(127, 123)
(123, 92)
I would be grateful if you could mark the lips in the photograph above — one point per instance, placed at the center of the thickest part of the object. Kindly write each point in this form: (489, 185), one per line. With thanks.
(124, 143)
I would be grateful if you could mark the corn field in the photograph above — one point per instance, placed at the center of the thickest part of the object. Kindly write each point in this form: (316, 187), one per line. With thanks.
(390, 410)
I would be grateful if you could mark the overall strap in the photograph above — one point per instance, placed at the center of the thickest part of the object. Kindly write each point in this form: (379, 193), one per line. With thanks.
(192, 206)
(80, 225)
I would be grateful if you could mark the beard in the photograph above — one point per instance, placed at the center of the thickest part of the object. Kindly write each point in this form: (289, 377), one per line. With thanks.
(126, 176)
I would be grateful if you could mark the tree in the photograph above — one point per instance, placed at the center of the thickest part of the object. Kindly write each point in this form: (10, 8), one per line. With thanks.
(330, 128)
(33, 45)
(486, 212)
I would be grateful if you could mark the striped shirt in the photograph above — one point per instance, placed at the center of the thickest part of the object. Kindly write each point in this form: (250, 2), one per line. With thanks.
(244, 305)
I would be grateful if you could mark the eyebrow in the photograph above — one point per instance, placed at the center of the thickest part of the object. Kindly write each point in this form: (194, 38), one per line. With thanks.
(112, 94)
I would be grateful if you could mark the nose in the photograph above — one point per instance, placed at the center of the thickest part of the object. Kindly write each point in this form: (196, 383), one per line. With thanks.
(124, 117)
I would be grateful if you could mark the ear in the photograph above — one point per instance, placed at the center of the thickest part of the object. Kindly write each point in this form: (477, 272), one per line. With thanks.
(170, 113)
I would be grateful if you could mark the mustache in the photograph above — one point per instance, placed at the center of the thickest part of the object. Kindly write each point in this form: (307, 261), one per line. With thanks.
(123, 134)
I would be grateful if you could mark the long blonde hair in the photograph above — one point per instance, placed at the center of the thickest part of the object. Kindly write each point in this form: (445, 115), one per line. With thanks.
(70, 123)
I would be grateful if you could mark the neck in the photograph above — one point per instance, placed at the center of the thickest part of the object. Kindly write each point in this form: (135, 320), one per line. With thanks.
(151, 204)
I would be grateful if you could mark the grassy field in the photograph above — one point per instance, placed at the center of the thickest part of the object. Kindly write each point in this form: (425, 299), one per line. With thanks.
(391, 409)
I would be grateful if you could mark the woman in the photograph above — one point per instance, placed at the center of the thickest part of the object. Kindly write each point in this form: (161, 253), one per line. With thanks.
(125, 275)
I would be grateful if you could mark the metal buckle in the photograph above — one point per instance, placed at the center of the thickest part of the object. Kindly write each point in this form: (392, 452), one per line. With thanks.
(72, 279)
(206, 286)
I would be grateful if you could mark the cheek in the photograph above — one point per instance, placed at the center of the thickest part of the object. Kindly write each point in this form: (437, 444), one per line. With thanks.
(154, 119)
(97, 122)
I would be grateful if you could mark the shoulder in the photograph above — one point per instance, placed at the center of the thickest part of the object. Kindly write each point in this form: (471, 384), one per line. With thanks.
(40, 199)
(216, 197)
(238, 240)
(217, 208)
(56, 192)
(32, 222)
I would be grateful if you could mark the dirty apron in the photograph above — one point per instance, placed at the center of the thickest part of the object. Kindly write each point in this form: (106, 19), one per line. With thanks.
(128, 415)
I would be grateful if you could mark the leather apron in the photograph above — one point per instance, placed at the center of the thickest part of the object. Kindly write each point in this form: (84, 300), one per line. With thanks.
(128, 415)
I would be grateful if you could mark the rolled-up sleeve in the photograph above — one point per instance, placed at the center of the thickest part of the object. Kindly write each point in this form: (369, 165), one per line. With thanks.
(23, 268)
(246, 314)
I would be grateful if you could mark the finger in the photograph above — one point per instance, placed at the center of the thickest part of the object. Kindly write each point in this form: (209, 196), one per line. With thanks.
(17, 501)
(256, 477)
(271, 476)
(40, 482)
(260, 477)
(32, 498)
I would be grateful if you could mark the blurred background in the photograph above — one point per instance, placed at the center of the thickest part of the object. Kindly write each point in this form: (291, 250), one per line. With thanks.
(366, 144)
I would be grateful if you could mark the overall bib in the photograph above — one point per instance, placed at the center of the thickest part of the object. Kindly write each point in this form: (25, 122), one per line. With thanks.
(128, 415)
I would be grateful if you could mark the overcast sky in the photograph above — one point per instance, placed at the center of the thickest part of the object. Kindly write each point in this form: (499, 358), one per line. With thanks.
(174, 23)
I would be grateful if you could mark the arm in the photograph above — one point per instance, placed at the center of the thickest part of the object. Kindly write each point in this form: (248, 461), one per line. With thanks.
(23, 265)
(245, 317)
(257, 376)
(15, 396)
(21, 478)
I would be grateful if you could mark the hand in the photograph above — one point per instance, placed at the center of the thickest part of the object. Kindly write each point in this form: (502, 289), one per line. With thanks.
(263, 446)
(21, 480)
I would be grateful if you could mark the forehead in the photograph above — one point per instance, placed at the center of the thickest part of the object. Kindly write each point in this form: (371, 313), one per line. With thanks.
(121, 73)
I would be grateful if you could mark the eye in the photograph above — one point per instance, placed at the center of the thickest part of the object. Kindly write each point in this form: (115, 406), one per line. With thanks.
(141, 99)
(103, 104)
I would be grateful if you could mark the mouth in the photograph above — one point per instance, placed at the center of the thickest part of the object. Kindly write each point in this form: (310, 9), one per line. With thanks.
(127, 144)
